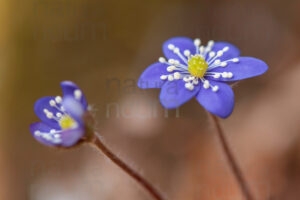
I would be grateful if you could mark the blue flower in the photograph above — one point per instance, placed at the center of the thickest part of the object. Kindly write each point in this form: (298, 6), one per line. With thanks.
(194, 70)
(61, 118)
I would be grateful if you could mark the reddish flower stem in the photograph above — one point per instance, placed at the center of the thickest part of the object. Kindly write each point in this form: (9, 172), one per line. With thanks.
(231, 160)
(116, 160)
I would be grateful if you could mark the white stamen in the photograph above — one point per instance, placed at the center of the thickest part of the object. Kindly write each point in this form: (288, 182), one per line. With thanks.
(176, 50)
(225, 49)
(189, 86)
(56, 136)
(202, 49)
(52, 131)
(49, 115)
(220, 53)
(162, 60)
(47, 136)
(210, 43)
(197, 42)
(195, 81)
(217, 76)
(186, 53)
(176, 62)
(186, 79)
(217, 62)
(224, 75)
(170, 78)
(235, 60)
(52, 103)
(171, 68)
(206, 84)
(59, 115)
(212, 54)
(163, 77)
(62, 109)
(215, 88)
(171, 46)
(37, 133)
(171, 61)
(77, 94)
(223, 64)
(45, 111)
(229, 75)
(58, 99)
(177, 75)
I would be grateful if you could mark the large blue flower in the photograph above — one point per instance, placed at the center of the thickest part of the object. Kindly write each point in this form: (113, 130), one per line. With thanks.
(194, 70)
(61, 117)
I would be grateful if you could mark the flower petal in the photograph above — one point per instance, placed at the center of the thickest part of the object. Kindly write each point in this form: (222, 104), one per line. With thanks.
(69, 88)
(247, 67)
(150, 78)
(71, 136)
(39, 130)
(173, 94)
(40, 105)
(73, 107)
(220, 103)
(232, 52)
(183, 43)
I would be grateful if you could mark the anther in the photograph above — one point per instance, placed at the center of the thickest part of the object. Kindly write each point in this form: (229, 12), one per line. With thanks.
(176, 50)
(52, 103)
(223, 64)
(220, 53)
(217, 62)
(171, 61)
(37, 133)
(235, 60)
(52, 131)
(58, 99)
(195, 81)
(162, 60)
(49, 115)
(171, 68)
(189, 86)
(206, 84)
(163, 77)
(77, 94)
(59, 115)
(224, 75)
(225, 49)
(171, 46)
(212, 54)
(210, 43)
(197, 42)
(177, 75)
(170, 78)
(229, 75)
(186, 52)
(216, 75)
(215, 88)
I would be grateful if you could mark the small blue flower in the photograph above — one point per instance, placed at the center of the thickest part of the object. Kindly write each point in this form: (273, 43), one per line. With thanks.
(194, 70)
(61, 118)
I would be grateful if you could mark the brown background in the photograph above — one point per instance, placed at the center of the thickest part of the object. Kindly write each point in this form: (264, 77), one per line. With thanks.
(103, 46)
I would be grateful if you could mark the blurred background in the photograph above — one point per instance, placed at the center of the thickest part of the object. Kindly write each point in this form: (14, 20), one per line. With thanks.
(103, 46)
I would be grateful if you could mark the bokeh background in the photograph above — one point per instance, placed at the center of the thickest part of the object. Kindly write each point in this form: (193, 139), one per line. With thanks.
(103, 46)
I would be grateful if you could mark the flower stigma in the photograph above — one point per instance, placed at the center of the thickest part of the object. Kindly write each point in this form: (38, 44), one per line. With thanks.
(67, 122)
(197, 66)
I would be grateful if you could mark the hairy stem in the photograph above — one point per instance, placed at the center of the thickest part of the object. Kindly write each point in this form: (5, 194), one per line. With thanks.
(231, 160)
(116, 160)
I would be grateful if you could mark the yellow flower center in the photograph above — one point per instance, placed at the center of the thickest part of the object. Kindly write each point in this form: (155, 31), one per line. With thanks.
(197, 66)
(67, 122)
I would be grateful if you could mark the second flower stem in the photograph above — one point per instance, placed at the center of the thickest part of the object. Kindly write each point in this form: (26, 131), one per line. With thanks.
(231, 160)
(116, 160)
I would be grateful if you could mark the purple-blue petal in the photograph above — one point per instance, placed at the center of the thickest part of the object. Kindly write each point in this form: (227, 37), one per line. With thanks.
(150, 78)
(219, 103)
(183, 43)
(69, 87)
(232, 52)
(71, 136)
(247, 67)
(173, 94)
(74, 108)
(40, 105)
(41, 127)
